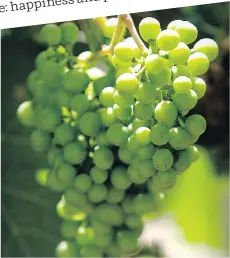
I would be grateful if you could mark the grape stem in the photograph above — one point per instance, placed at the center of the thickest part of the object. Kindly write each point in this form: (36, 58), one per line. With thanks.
(127, 19)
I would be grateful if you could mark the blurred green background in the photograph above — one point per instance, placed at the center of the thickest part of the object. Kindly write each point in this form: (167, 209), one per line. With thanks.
(30, 225)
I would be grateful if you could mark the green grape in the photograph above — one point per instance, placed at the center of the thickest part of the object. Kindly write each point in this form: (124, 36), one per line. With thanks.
(91, 251)
(26, 114)
(84, 236)
(127, 205)
(180, 70)
(193, 153)
(122, 114)
(179, 138)
(143, 203)
(69, 33)
(118, 64)
(74, 153)
(69, 229)
(107, 116)
(165, 180)
(183, 162)
(51, 34)
(125, 155)
(117, 134)
(136, 123)
(90, 124)
(166, 113)
(149, 28)
(64, 134)
(97, 193)
(66, 249)
(168, 40)
(146, 93)
(121, 70)
(100, 227)
(106, 96)
(110, 27)
(103, 240)
(162, 159)
(208, 47)
(135, 176)
(132, 42)
(127, 83)
(100, 83)
(187, 31)
(65, 173)
(115, 195)
(75, 81)
(99, 176)
(82, 183)
(75, 197)
(123, 100)
(119, 178)
(159, 134)
(48, 119)
(146, 168)
(198, 64)
(103, 158)
(124, 51)
(127, 241)
(41, 59)
(79, 103)
(146, 152)
(101, 139)
(109, 213)
(163, 78)
(113, 251)
(81, 140)
(53, 184)
(36, 86)
(41, 176)
(199, 86)
(55, 156)
(154, 63)
(132, 145)
(185, 101)
(142, 135)
(180, 54)
(195, 125)
(133, 221)
(173, 24)
(182, 84)
(143, 111)
(40, 140)
(63, 98)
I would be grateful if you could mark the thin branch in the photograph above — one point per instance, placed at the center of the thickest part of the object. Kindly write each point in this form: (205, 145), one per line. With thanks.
(127, 19)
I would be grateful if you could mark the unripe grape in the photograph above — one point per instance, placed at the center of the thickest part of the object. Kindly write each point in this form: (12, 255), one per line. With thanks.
(74, 197)
(179, 138)
(53, 155)
(199, 86)
(74, 153)
(117, 134)
(104, 240)
(51, 34)
(185, 101)
(154, 63)
(125, 155)
(198, 64)
(91, 251)
(107, 116)
(65, 173)
(142, 135)
(115, 195)
(82, 183)
(26, 114)
(99, 176)
(180, 54)
(173, 24)
(101, 139)
(166, 113)
(110, 27)
(143, 203)
(103, 158)
(106, 96)
(143, 111)
(100, 227)
(48, 119)
(97, 193)
(69, 32)
(146, 168)
(133, 221)
(135, 176)
(180, 70)
(119, 64)
(127, 83)
(84, 236)
(100, 83)
(69, 229)
(182, 84)
(122, 114)
(119, 178)
(208, 47)
(146, 93)
(159, 134)
(124, 51)
(149, 28)
(132, 42)
(146, 152)
(40, 140)
(64, 134)
(168, 40)
(163, 78)
(63, 98)
(79, 103)
(183, 162)
(127, 241)
(165, 180)
(195, 125)
(136, 123)
(187, 31)
(123, 100)
(66, 249)
(90, 123)
(193, 153)
(162, 159)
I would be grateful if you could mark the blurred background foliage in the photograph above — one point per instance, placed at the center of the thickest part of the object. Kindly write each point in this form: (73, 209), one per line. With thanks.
(30, 225)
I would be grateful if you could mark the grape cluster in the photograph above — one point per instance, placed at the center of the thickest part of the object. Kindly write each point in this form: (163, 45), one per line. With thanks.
(115, 139)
